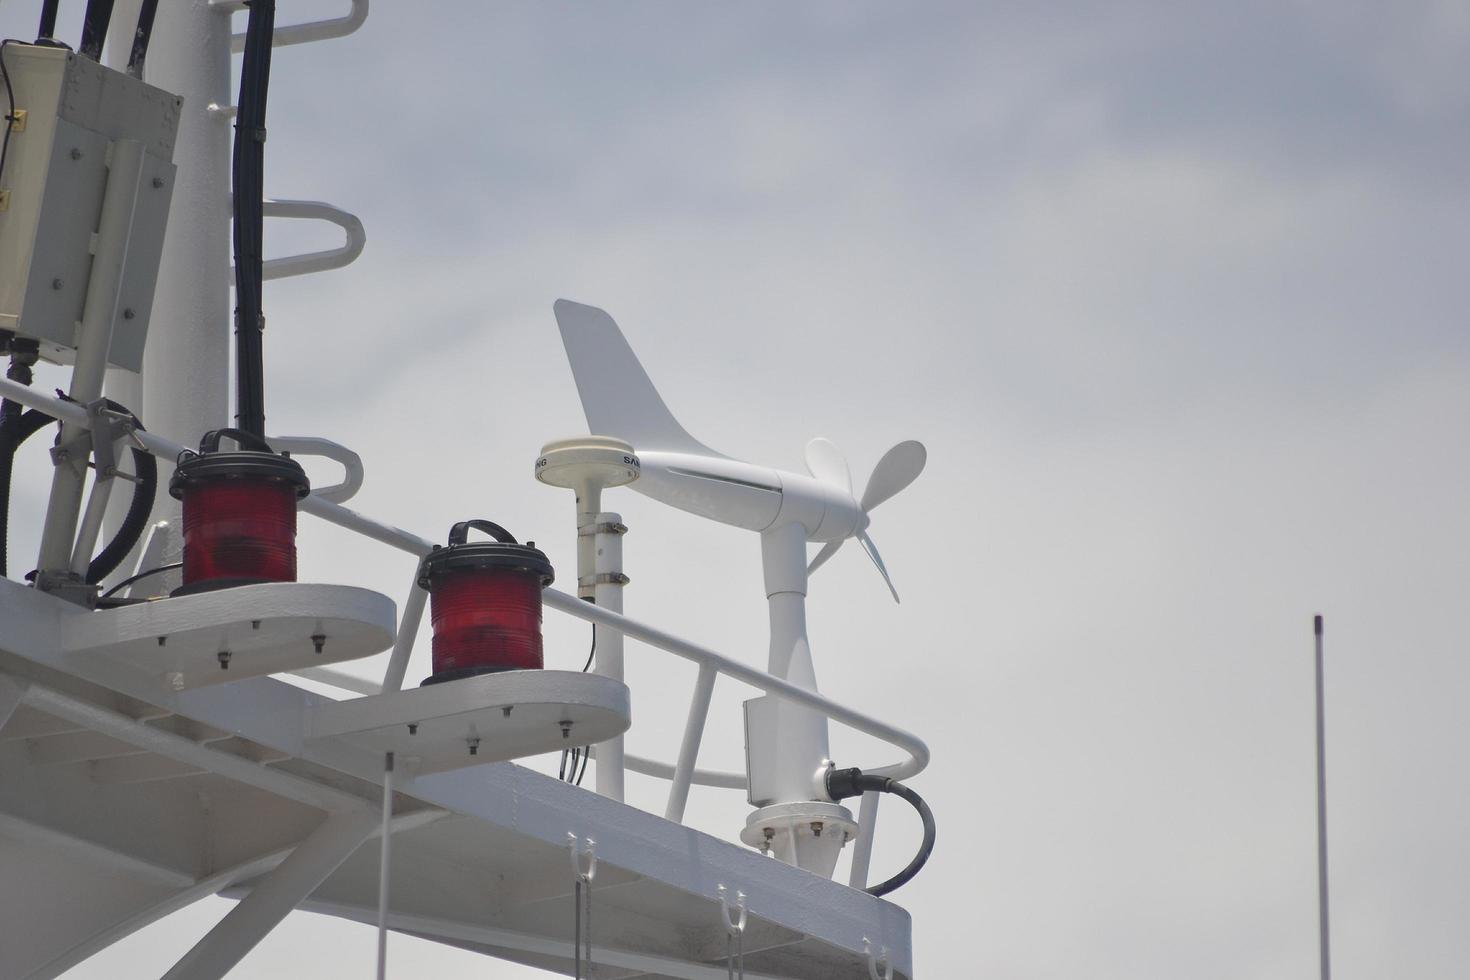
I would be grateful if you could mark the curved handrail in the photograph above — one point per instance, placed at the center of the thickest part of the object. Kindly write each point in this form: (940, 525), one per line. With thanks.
(908, 742)
(316, 30)
(324, 259)
(327, 449)
(719, 778)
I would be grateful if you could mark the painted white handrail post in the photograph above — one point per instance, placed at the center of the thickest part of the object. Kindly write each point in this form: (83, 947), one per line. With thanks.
(94, 341)
(704, 688)
(408, 631)
(276, 895)
(607, 592)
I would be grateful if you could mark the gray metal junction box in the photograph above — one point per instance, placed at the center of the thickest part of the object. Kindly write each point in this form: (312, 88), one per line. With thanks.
(70, 109)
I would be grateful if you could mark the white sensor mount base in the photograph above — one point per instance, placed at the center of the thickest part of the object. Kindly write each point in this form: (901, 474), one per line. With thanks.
(809, 835)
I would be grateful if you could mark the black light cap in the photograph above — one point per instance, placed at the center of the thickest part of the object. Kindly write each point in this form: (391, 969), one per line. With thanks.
(209, 465)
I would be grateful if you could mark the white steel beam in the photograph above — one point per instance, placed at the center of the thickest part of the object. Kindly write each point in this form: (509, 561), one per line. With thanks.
(275, 895)
(408, 631)
(663, 966)
(148, 914)
(22, 829)
(12, 693)
(163, 743)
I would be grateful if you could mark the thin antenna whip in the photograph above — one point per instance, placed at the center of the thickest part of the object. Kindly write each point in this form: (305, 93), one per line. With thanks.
(1325, 956)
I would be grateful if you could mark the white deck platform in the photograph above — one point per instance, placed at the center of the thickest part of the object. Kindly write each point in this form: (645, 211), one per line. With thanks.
(218, 637)
(490, 718)
(147, 798)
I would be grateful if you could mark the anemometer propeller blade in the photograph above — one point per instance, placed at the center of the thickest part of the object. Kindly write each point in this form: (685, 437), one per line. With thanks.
(899, 467)
(826, 462)
(872, 550)
(828, 550)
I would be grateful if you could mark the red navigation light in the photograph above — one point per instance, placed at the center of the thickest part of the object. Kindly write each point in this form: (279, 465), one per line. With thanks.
(239, 513)
(485, 603)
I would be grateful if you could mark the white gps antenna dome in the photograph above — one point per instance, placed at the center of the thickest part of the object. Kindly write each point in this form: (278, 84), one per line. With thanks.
(587, 464)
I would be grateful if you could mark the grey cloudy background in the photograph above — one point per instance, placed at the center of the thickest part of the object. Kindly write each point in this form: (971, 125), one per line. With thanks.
(1175, 295)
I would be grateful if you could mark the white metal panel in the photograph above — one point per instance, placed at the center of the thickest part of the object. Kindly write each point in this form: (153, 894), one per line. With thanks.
(55, 172)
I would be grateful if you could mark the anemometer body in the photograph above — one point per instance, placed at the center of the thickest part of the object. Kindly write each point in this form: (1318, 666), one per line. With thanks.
(786, 745)
(747, 495)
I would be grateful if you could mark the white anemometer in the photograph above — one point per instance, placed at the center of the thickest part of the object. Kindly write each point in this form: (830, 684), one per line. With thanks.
(786, 745)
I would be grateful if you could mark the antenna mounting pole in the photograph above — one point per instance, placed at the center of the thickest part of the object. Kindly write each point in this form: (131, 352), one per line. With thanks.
(1325, 956)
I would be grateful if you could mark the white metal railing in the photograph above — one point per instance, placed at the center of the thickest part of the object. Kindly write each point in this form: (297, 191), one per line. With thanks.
(352, 472)
(323, 259)
(711, 664)
(316, 30)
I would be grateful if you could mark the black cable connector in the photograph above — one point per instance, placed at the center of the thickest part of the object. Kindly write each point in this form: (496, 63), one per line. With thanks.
(845, 783)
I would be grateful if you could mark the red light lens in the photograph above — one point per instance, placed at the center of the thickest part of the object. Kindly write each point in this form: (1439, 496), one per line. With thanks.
(239, 529)
(486, 619)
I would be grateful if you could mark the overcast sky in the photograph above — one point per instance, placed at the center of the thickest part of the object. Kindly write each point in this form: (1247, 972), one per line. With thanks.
(1175, 295)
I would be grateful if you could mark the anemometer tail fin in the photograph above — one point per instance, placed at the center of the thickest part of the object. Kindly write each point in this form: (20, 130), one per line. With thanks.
(617, 394)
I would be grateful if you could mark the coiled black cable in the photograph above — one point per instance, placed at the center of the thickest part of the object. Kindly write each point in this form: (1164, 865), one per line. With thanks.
(17, 428)
(844, 783)
(145, 491)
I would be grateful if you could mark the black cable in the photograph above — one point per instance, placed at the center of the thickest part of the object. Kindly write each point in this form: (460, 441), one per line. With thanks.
(15, 430)
(94, 28)
(843, 783)
(248, 193)
(47, 27)
(592, 652)
(578, 753)
(133, 578)
(141, 35)
(586, 754)
(145, 492)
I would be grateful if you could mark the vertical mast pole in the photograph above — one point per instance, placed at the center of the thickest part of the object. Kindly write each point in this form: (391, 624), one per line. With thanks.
(1324, 955)
(183, 390)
